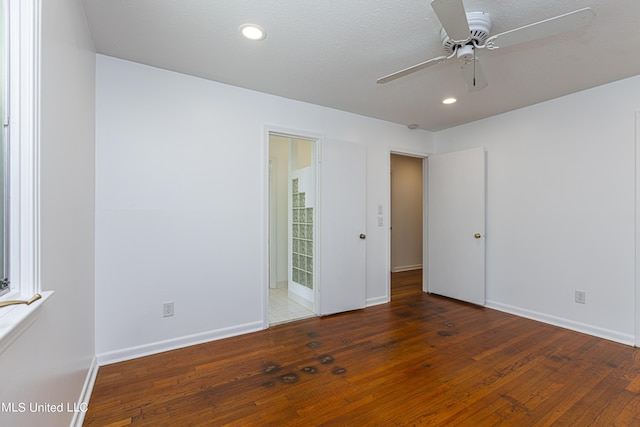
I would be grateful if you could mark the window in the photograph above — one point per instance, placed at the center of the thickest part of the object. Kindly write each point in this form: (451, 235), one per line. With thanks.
(19, 164)
(19, 154)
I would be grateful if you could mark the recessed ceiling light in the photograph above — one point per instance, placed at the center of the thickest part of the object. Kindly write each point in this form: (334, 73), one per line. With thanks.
(252, 32)
(449, 100)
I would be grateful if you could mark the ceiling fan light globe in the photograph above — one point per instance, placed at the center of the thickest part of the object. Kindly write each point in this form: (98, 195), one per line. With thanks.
(465, 53)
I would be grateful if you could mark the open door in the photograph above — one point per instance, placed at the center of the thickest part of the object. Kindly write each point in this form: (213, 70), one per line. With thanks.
(456, 224)
(342, 231)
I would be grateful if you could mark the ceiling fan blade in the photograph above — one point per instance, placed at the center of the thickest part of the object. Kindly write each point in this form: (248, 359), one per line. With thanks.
(539, 30)
(453, 18)
(473, 75)
(411, 69)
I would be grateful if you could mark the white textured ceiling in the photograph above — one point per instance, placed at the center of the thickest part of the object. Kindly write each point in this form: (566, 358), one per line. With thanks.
(330, 52)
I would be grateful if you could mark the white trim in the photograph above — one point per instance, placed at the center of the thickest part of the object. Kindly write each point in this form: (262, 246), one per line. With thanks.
(17, 319)
(175, 343)
(370, 302)
(637, 231)
(24, 140)
(265, 228)
(406, 268)
(85, 394)
(425, 224)
(264, 152)
(409, 153)
(563, 323)
(424, 155)
(24, 169)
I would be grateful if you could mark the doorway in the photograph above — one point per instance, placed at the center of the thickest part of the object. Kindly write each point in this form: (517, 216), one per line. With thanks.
(292, 216)
(406, 219)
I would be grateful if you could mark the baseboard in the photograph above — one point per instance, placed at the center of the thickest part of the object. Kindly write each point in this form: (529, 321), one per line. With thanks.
(595, 331)
(376, 301)
(301, 300)
(110, 357)
(406, 268)
(85, 395)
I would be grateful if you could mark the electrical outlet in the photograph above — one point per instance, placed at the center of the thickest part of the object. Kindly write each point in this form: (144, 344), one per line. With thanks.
(581, 297)
(167, 309)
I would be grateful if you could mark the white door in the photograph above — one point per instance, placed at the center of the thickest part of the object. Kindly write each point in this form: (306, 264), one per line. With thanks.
(342, 231)
(456, 225)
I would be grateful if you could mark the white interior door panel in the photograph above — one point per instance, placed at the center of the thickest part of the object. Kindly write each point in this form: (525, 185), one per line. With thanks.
(342, 232)
(456, 225)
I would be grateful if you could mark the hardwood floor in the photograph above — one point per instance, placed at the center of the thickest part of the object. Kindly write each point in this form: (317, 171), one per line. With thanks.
(420, 360)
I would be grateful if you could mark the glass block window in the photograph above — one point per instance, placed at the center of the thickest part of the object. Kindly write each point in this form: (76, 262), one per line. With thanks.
(302, 241)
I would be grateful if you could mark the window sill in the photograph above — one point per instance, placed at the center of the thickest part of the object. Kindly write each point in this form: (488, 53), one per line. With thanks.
(17, 319)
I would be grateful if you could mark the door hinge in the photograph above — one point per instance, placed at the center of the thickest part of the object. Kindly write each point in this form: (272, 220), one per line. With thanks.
(4, 286)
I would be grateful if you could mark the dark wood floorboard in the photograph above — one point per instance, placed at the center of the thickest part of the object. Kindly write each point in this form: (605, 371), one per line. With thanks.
(421, 360)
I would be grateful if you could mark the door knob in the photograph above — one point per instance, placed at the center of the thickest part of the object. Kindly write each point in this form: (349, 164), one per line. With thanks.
(363, 236)
(477, 235)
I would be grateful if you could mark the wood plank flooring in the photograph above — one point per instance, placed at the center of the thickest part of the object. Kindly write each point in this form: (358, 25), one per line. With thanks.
(420, 360)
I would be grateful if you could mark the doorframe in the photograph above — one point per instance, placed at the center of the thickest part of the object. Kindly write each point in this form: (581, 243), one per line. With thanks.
(265, 214)
(637, 228)
(424, 155)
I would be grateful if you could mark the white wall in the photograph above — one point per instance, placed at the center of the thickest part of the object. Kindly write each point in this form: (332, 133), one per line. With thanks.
(279, 152)
(180, 197)
(560, 207)
(406, 213)
(49, 362)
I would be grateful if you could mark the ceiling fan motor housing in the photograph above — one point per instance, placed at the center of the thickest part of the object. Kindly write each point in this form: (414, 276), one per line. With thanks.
(479, 27)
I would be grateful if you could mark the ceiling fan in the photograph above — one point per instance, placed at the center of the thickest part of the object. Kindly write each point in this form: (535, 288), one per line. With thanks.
(465, 32)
